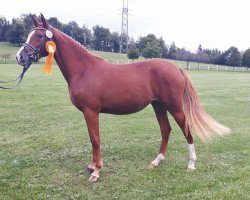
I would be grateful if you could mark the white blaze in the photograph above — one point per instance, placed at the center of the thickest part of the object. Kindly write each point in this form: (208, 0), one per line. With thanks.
(30, 35)
(27, 41)
(17, 54)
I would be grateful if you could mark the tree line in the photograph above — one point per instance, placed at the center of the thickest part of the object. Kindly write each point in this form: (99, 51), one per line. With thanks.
(102, 39)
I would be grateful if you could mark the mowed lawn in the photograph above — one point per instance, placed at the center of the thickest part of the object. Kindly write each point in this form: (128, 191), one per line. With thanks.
(44, 144)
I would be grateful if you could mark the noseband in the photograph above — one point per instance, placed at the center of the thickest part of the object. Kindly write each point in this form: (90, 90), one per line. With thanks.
(33, 57)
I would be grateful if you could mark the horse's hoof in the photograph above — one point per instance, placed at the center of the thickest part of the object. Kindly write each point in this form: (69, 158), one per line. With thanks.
(89, 170)
(93, 179)
(190, 170)
(152, 166)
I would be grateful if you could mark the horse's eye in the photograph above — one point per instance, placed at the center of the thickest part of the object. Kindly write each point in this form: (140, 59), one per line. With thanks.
(39, 36)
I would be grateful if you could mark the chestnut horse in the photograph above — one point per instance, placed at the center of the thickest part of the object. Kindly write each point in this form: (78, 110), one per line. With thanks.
(98, 86)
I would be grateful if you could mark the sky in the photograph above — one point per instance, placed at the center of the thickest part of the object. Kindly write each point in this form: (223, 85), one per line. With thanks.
(189, 23)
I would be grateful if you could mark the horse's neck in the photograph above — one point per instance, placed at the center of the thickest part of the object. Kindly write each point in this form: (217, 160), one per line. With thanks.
(71, 58)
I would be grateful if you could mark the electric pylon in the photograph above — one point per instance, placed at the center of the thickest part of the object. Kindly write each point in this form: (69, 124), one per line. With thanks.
(124, 29)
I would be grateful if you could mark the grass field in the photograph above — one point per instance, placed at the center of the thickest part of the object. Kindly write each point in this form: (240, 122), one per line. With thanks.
(45, 146)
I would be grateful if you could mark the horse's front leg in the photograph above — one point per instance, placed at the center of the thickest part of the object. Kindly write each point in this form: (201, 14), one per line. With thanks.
(92, 120)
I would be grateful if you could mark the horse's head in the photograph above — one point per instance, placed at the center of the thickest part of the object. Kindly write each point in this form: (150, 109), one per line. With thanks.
(34, 48)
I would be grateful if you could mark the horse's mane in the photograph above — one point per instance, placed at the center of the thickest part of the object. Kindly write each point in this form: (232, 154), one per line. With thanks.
(78, 44)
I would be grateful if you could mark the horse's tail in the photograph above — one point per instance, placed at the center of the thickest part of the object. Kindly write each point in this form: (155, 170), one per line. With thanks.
(197, 119)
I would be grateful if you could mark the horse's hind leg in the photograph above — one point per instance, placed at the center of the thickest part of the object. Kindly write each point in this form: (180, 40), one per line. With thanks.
(161, 115)
(179, 117)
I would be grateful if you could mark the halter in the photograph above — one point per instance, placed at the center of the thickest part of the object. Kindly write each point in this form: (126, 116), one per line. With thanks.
(33, 57)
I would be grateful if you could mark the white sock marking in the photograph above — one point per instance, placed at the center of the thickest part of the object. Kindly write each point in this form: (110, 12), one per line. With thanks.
(159, 158)
(192, 156)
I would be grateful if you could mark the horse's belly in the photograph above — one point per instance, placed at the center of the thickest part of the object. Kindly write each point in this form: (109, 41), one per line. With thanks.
(121, 106)
(122, 110)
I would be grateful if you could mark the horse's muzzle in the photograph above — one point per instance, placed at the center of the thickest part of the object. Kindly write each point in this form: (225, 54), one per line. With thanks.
(22, 58)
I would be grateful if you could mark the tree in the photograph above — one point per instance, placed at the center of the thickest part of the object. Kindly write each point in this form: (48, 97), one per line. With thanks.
(172, 51)
(184, 55)
(114, 42)
(101, 38)
(214, 55)
(232, 57)
(200, 49)
(222, 59)
(53, 21)
(144, 41)
(133, 52)
(201, 56)
(87, 36)
(27, 22)
(246, 58)
(164, 47)
(4, 26)
(151, 47)
(152, 50)
(16, 33)
(73, 30)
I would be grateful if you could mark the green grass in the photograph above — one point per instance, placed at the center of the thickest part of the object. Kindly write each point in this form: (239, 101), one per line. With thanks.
(45, 146)
(7, 48)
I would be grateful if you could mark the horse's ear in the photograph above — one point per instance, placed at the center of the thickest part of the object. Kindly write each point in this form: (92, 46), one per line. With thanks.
(44, 21)
(35, 22)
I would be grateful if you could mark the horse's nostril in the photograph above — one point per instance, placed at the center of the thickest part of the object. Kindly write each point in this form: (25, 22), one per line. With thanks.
(21, 56)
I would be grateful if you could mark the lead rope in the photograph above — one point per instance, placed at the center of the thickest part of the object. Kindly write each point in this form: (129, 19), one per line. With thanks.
(18, 79)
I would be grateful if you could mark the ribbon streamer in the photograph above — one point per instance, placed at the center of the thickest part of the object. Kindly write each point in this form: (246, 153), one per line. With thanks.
(50, 48)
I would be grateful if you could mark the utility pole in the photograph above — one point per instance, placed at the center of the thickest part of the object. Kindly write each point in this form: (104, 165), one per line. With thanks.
(124, 29)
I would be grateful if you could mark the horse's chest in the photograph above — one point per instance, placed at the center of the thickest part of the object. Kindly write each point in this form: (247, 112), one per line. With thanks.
(83, 98)
(72, 98)
(76, 98)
